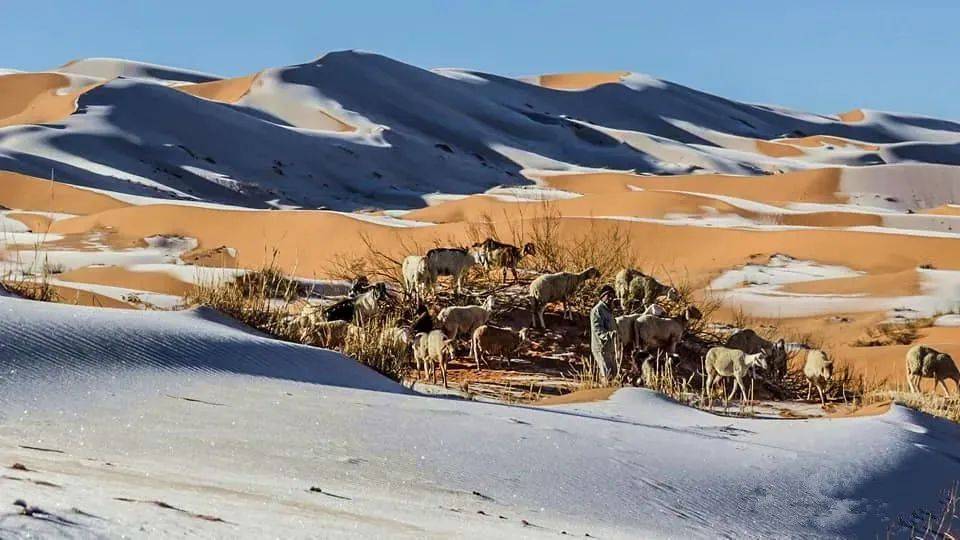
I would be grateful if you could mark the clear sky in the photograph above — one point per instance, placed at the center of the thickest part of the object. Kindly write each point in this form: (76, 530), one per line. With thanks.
(818, 55)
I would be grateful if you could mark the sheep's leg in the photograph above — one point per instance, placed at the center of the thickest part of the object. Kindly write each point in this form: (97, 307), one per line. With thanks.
(738, 381)
(733, 391)
(943, 385)
(913, 389)
(543, 323)
(505, 274)
(443, 371)
(823, 401)
(810, 389)
(515, 277)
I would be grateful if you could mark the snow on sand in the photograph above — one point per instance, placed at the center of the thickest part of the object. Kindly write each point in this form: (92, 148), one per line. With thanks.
(189, 409)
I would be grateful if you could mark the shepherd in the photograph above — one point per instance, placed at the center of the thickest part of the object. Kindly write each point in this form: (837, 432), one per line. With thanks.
(603, 334)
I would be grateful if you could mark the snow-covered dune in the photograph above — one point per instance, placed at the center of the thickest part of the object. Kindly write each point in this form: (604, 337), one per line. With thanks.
(110, 68)
(120, 410)
(353, 130)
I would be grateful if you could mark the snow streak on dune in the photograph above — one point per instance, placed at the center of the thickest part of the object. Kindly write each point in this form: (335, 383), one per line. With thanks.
(115, 397)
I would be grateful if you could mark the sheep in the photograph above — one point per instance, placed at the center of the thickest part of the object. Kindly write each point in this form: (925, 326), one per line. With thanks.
(924, 361)
(621, 283)
(432, 348)
(489, 339)
(776, 352)
(723, 362)
(456, 320)
(662, 333)
(557, 287)
(494, 254)
(626, 333)
(454, 262)
(818, 370)
(644, 291)
(655, 309)
(361, 307)
(423, 322)
(417, 278)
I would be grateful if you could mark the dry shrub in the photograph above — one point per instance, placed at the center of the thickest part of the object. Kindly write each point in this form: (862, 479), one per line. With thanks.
(374, 344)
(930, 403)
(892, 333)
(40, 290)
(269, 282)
(262, 301)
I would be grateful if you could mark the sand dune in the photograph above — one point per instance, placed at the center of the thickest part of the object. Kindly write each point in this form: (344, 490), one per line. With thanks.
(111, 68)
(119, 277)
(699, 251)
(580, 81)
(28, 193)
(224, 90)
(39, 98)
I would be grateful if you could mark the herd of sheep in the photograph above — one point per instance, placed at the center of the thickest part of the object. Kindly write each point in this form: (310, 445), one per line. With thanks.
(644, 328)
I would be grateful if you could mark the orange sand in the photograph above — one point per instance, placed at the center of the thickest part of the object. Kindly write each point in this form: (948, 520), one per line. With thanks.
(905, 283)
(119, 277)
(817, 185)
(225, 90)
(31, 98)
(24, 192)
(69, 295)
(580, 81)
(856, 115)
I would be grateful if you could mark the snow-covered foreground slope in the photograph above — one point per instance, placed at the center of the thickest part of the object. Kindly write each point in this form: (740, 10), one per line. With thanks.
(112, 411)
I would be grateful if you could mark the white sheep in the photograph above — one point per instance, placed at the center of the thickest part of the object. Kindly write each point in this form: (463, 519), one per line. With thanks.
(557, 287)
(430, 349)
(418, 281)
(489, 339)
(924, 361)
(456, 320)
(653, 332)
(818, 370)
(750, 342)
(724, 362)
(454, 262)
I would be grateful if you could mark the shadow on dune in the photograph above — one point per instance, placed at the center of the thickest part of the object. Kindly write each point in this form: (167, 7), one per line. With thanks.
(69, 346)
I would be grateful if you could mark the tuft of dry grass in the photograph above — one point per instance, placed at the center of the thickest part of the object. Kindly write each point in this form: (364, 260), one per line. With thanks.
(893, 333)
(376, 345)
(261, 301)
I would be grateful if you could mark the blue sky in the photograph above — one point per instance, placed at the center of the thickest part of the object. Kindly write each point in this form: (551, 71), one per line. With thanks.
(821, 56)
